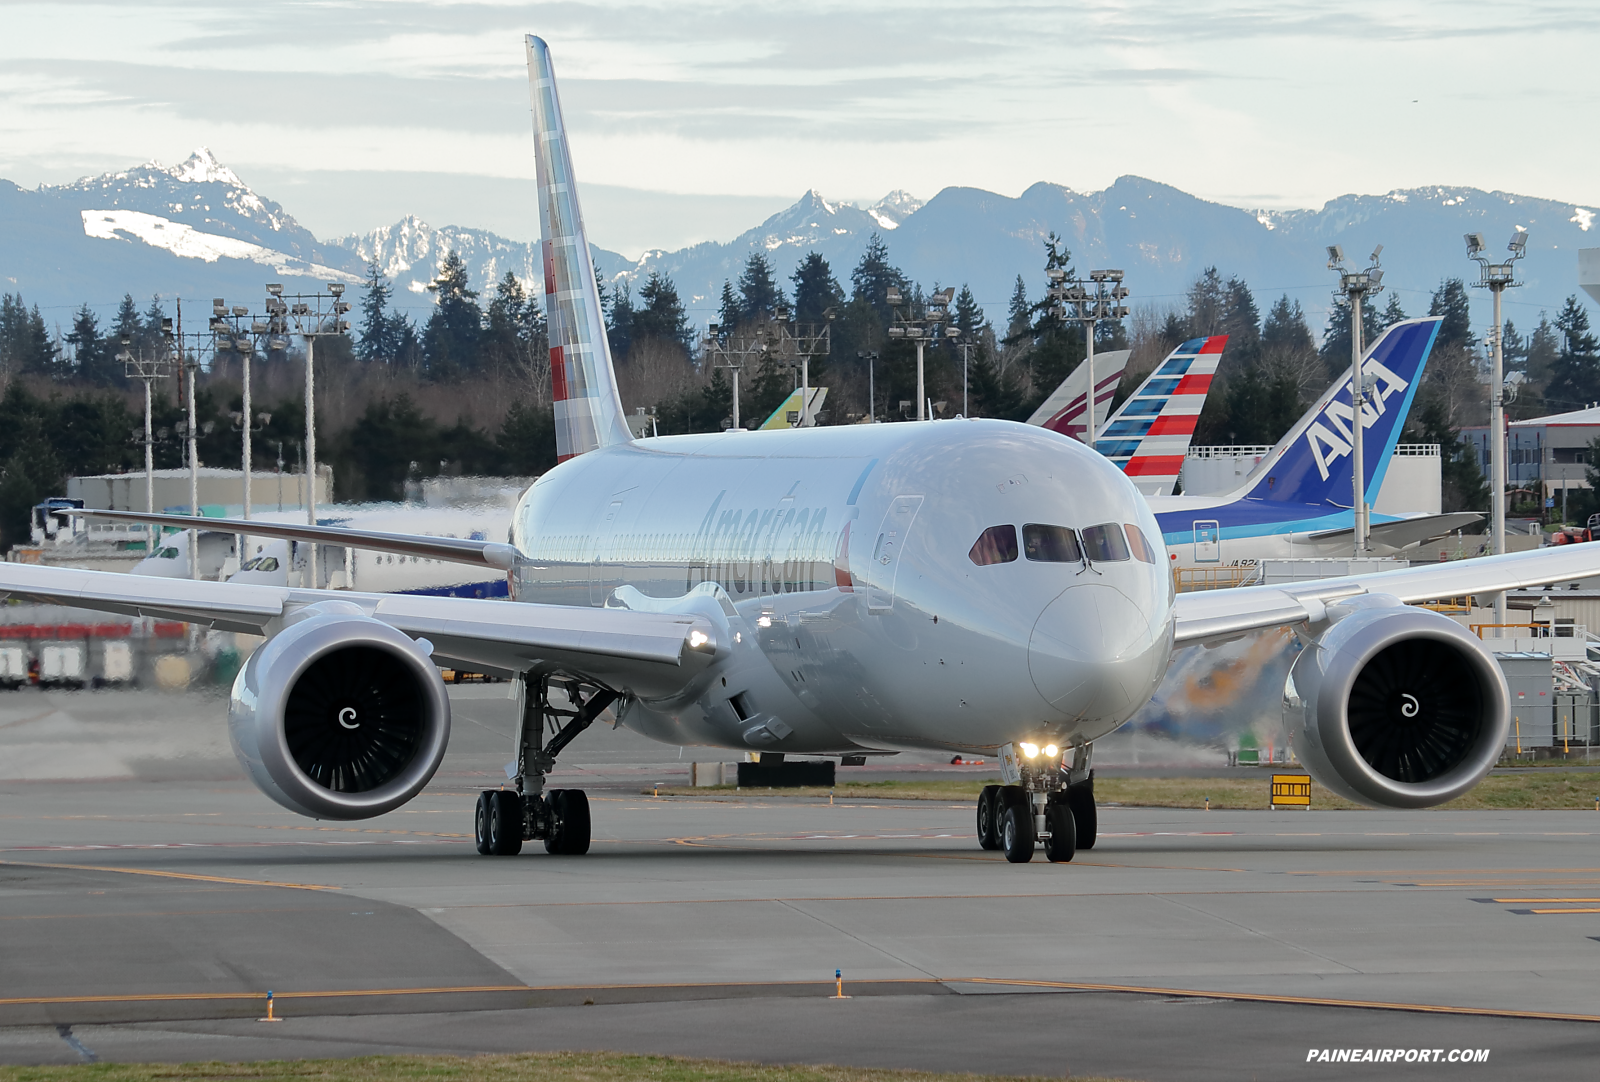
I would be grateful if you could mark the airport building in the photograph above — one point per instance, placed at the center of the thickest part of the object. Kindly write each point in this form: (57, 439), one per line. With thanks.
(1547, 456)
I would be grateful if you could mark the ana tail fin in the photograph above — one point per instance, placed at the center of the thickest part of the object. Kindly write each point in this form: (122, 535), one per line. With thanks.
(1149, 434)
(1312, 463)
(583, 383)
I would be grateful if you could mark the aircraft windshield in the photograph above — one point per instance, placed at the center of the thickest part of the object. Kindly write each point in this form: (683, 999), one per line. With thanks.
(1105, 544)
(996, 545)
(1051, 544)
(1141, 548)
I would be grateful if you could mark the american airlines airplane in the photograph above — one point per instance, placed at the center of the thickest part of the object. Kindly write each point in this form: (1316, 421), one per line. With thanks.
(971, 585)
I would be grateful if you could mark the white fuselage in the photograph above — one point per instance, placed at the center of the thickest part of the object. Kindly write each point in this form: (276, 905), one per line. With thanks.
(840, 559)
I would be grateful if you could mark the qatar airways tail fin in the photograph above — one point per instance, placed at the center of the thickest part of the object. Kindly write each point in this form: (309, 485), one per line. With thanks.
(1149, 434)
(1312, 464)
(583, 383)
(1063, 411)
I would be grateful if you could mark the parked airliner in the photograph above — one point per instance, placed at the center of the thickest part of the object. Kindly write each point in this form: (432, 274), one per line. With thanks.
(966, 584)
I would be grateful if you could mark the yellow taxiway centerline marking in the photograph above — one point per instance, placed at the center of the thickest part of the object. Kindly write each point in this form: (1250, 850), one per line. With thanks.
(1545, 901)
(1260, 997)
(168, 875)
(1550, 911)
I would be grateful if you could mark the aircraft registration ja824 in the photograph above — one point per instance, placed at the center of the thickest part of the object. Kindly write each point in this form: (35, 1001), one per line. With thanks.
(963, 584)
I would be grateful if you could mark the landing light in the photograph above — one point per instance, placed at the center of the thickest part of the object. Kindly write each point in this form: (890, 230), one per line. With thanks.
(763, 621)
(698, 639)
(1050, 751)
(1030, 750)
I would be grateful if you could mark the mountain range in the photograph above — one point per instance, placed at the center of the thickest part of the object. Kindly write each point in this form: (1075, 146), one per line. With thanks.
(197, 230)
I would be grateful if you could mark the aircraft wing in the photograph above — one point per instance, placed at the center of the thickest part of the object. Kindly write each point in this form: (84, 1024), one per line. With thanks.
(1217, 615)
(456, 549)
(1405, 532)
(647, 654)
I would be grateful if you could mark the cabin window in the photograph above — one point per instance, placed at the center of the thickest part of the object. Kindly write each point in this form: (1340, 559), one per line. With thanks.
(1051, 544)
(1140, 547)
(1104, 544)
(996, 545)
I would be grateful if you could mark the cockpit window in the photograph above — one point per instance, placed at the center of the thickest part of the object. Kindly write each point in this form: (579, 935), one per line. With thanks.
(1051, 544)
(1104, 544)
(261, 563)
(1141, 547)
(996, 545)
(167, 554)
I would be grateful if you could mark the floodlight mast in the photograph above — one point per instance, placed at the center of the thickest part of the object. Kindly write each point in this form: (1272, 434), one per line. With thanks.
(1496, 277)
(1088, 305)
(1355, 286)
(931, 320)
(147, 370)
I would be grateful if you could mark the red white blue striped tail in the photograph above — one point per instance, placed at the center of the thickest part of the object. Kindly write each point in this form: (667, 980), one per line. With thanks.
(1149, 434)
(583, 383)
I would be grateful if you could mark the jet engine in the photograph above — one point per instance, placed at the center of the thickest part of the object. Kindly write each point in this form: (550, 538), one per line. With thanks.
(340, 716)
(1396, 707)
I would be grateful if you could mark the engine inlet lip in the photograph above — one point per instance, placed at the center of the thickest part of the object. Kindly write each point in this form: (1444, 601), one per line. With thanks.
(1392, 627)
(313, 640)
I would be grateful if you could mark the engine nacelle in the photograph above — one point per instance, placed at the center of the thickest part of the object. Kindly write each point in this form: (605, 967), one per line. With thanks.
(1396, 707)
(340, 716)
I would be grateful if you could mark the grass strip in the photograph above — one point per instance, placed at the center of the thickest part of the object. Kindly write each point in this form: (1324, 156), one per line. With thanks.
(1552, 790)
(530, 1066)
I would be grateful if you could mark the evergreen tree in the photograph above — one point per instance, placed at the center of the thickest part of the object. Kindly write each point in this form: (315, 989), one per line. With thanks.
(1017, 313)
(874, 275)
(1285, 327)
(1392, 312)
(514, 335)
(152, 341)
(661, 314)
(619, 321)
(1450, 301)
(377, 327)
(127, 325)
(24, 341)
(1336, 347)
(968, 316)
(1544, 347)
(92, 354)
(1575, 376)
(527, 439)
(727, 311)
(759, 295)
(1208, 304)
(1463, 487)
(450, 342)
(1513, 347)
(815, 289)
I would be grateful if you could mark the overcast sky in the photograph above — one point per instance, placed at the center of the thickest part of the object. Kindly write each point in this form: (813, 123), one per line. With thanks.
(691, 120)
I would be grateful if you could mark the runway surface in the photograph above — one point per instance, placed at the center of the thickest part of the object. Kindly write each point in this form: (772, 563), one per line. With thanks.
(147, 915)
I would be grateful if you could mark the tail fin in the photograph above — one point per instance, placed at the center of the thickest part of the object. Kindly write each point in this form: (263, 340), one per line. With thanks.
(1312, 463)
(1149, 434)
(582, 381)
(1063, 411)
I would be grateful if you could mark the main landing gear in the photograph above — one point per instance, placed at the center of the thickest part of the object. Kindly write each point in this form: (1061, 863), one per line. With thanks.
(505, 818)
(1048, 801)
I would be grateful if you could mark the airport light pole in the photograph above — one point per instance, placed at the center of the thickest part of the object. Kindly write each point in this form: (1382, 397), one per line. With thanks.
(725, 353)
(804, 341)
(1496, 277)
(311, 316)
(922, 323)
(1088, 303)
(1355, 286)
(147, 370)
(871, 357)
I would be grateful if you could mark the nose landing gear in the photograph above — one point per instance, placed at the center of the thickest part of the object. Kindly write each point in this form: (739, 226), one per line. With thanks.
(1044, 800)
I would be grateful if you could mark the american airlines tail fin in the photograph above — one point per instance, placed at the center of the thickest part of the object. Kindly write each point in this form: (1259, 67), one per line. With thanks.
(583, 383)
(1312, 463)
(1149, 434)
(1063, 411)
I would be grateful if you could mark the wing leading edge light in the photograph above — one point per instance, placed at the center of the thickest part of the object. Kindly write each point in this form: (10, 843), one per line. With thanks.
(963, 584)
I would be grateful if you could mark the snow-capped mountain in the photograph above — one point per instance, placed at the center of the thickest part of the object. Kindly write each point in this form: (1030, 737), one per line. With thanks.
(198, 230)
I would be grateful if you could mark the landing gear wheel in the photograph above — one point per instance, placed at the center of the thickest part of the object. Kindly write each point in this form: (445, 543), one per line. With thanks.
(989, 817)
(480, 823)
(1080, 798)
(1016, 833)
(1062, 843)
(570, 835)
(505, 823)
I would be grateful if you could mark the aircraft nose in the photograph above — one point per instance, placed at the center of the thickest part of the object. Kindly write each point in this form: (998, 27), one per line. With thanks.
(1092, 651)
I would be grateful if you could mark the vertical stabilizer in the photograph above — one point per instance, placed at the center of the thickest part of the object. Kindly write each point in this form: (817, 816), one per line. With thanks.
(583, 384)
(1312, 464)
(1063, 411)
(1150, 433)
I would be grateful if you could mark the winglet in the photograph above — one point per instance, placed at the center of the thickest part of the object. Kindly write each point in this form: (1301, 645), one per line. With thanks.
(583, 382)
